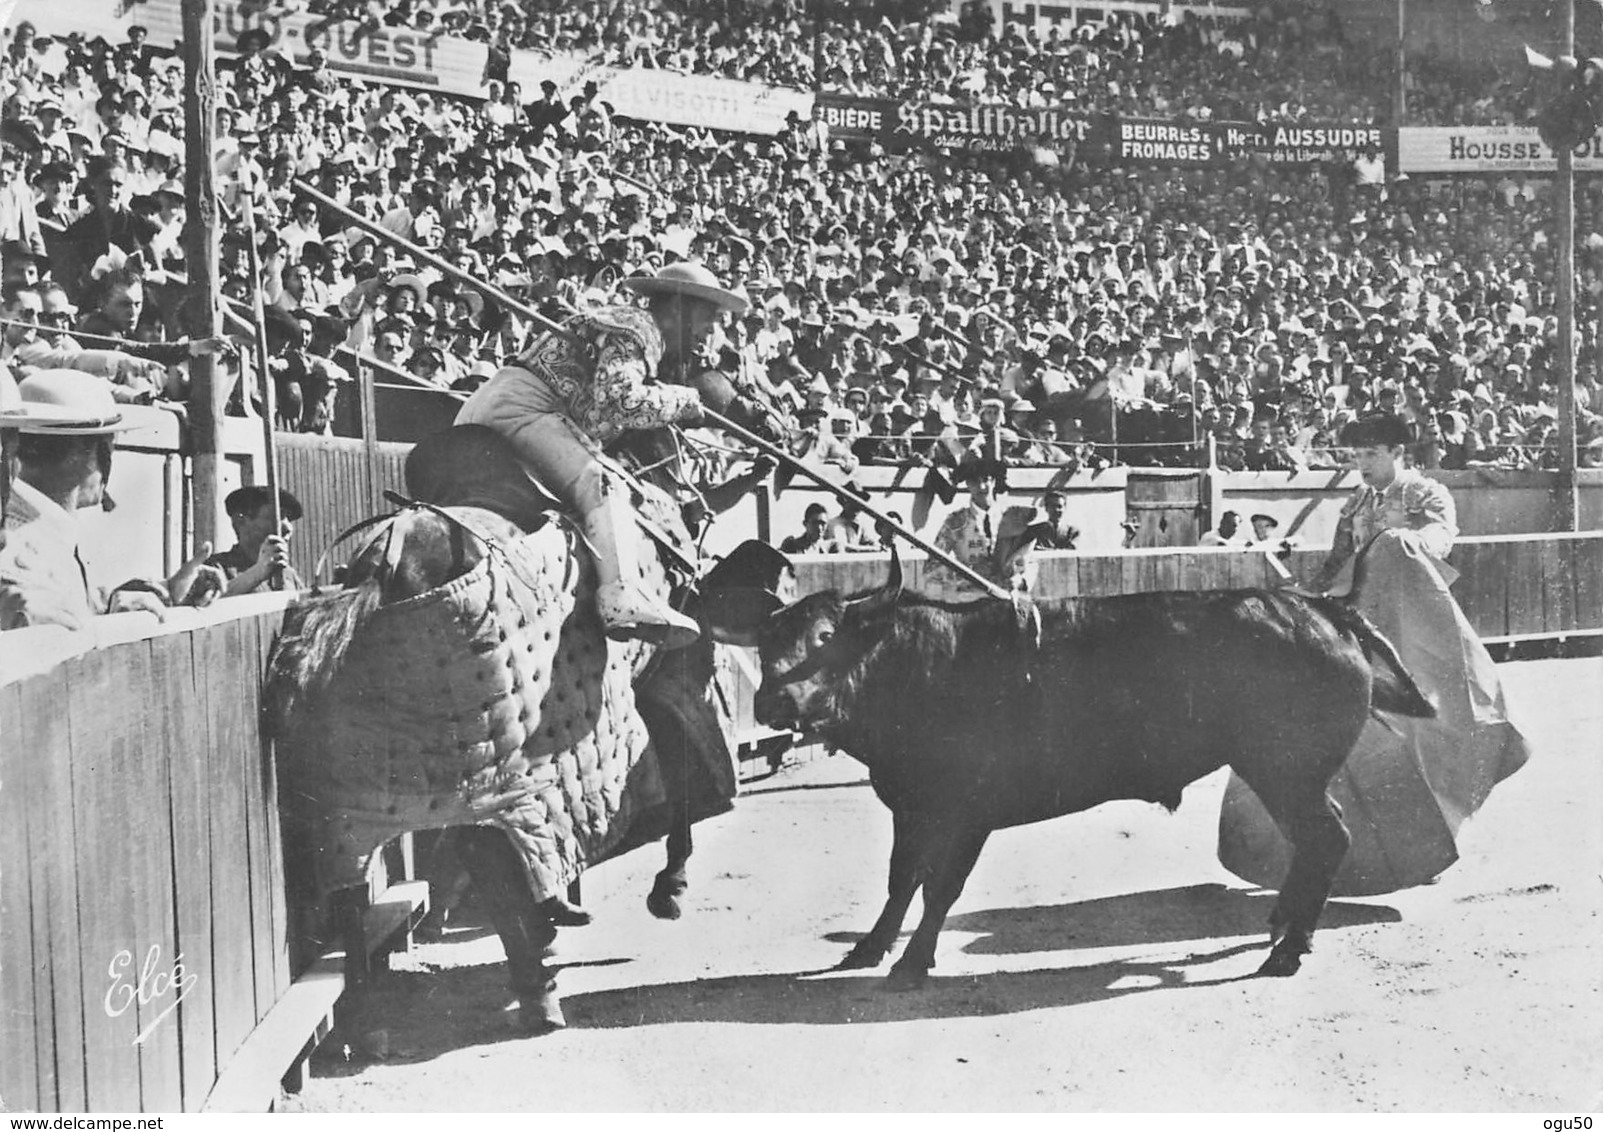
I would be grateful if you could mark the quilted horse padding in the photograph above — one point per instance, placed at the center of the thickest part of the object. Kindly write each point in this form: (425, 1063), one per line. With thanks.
(493, 699)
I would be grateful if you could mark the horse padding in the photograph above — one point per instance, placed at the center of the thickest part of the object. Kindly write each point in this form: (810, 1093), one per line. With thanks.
(493, 699)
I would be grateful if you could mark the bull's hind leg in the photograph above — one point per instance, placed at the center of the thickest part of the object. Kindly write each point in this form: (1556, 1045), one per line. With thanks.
(526, 931)
(907, 847)
(1319, 842)
(950, 859)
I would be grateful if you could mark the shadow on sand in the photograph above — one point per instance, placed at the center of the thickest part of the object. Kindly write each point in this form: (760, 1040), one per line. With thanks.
(1172, 915)
(423, 1015)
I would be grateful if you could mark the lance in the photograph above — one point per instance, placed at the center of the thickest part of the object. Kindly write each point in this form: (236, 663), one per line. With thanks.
(488, 290)
(84, 338)
(929, 548)
(492, 292)
(269, 389)
(901, 348)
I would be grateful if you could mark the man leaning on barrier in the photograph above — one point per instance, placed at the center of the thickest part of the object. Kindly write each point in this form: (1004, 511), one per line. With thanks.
(66, 425)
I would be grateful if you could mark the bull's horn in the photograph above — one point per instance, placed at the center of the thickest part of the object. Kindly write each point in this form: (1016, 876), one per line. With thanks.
(893, 580)
(886, 595)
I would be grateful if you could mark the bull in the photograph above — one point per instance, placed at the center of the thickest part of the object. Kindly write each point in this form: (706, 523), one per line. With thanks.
(977, 717)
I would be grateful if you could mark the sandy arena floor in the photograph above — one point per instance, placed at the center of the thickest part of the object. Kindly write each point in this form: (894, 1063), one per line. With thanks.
(1095, 962)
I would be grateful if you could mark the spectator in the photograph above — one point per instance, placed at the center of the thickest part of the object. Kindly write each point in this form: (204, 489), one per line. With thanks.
(850, 531)
(1226, 532)
(1055, 532)
(1263, 529)
(69, 425)
(259, 558)
(26, 345)
(814, 537)
(108, 224)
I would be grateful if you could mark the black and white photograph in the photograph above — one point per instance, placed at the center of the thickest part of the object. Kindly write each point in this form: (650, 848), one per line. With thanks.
(801, 556)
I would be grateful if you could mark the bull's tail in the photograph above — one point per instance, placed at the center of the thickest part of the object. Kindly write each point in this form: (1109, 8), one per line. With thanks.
(1393, 688)
(311, 651)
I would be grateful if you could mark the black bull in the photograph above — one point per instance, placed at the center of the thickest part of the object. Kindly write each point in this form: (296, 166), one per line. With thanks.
(978, 717)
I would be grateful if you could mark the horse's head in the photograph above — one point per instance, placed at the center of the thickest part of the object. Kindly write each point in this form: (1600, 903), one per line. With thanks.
(408, 554)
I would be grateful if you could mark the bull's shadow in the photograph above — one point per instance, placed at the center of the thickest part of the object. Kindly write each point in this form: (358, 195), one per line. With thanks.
(1173, 915)
(428, 1014)
(1208, 912)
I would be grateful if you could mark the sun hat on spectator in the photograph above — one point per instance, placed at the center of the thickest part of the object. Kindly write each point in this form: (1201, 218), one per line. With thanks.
(413, 283)
(68, 402)
(690, 279)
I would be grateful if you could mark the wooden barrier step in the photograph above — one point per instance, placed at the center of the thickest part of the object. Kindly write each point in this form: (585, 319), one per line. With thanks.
(282, 1041)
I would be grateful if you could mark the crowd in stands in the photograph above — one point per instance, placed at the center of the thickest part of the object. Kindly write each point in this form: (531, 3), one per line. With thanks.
(932, 307)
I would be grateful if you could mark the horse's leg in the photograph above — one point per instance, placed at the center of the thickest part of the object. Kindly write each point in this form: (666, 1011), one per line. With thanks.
(526, 931)
(671, 882)
(670, 739)
(907, 847)
(952, 850)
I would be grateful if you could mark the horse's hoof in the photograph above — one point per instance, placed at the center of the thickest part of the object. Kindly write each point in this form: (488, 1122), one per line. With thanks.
(664, 905)
(906, 979)
(564, 915)
(1280, 964)
(540, 1013)
(861, 958)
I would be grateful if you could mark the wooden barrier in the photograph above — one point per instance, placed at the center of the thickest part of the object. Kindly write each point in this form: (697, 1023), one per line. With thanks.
(339, 482)
(1511, 587)
(145, 952)
(141, 884)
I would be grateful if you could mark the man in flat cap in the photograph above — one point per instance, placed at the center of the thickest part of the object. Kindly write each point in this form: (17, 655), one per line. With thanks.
(261, 552)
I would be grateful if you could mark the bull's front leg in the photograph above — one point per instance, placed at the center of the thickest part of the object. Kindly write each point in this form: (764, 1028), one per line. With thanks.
(907, 851)
(952, 853)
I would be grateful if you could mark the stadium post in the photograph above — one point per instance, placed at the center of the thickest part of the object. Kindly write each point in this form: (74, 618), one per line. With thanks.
(1566, 502)
(201, 254)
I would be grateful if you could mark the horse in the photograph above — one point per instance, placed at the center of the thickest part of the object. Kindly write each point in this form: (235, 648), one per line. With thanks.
(461, 679)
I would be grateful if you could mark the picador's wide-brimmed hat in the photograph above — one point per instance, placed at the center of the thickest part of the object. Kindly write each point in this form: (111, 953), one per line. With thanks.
(67, 402)
(691, 279)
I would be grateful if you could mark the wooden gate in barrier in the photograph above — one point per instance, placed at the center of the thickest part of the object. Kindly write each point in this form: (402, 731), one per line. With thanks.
(1169, 509)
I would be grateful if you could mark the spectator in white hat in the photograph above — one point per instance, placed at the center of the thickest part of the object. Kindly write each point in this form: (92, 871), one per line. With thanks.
(68, 424)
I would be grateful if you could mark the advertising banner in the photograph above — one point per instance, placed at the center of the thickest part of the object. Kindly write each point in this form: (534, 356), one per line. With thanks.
(900, 126)
(1043, 17)
(1301, 144)
(1151, 141)
(665, 96)
(393, 55)
(1485, 149)
(702, 100)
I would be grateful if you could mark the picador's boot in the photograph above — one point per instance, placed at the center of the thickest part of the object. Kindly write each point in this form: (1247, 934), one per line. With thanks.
(627, 610)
